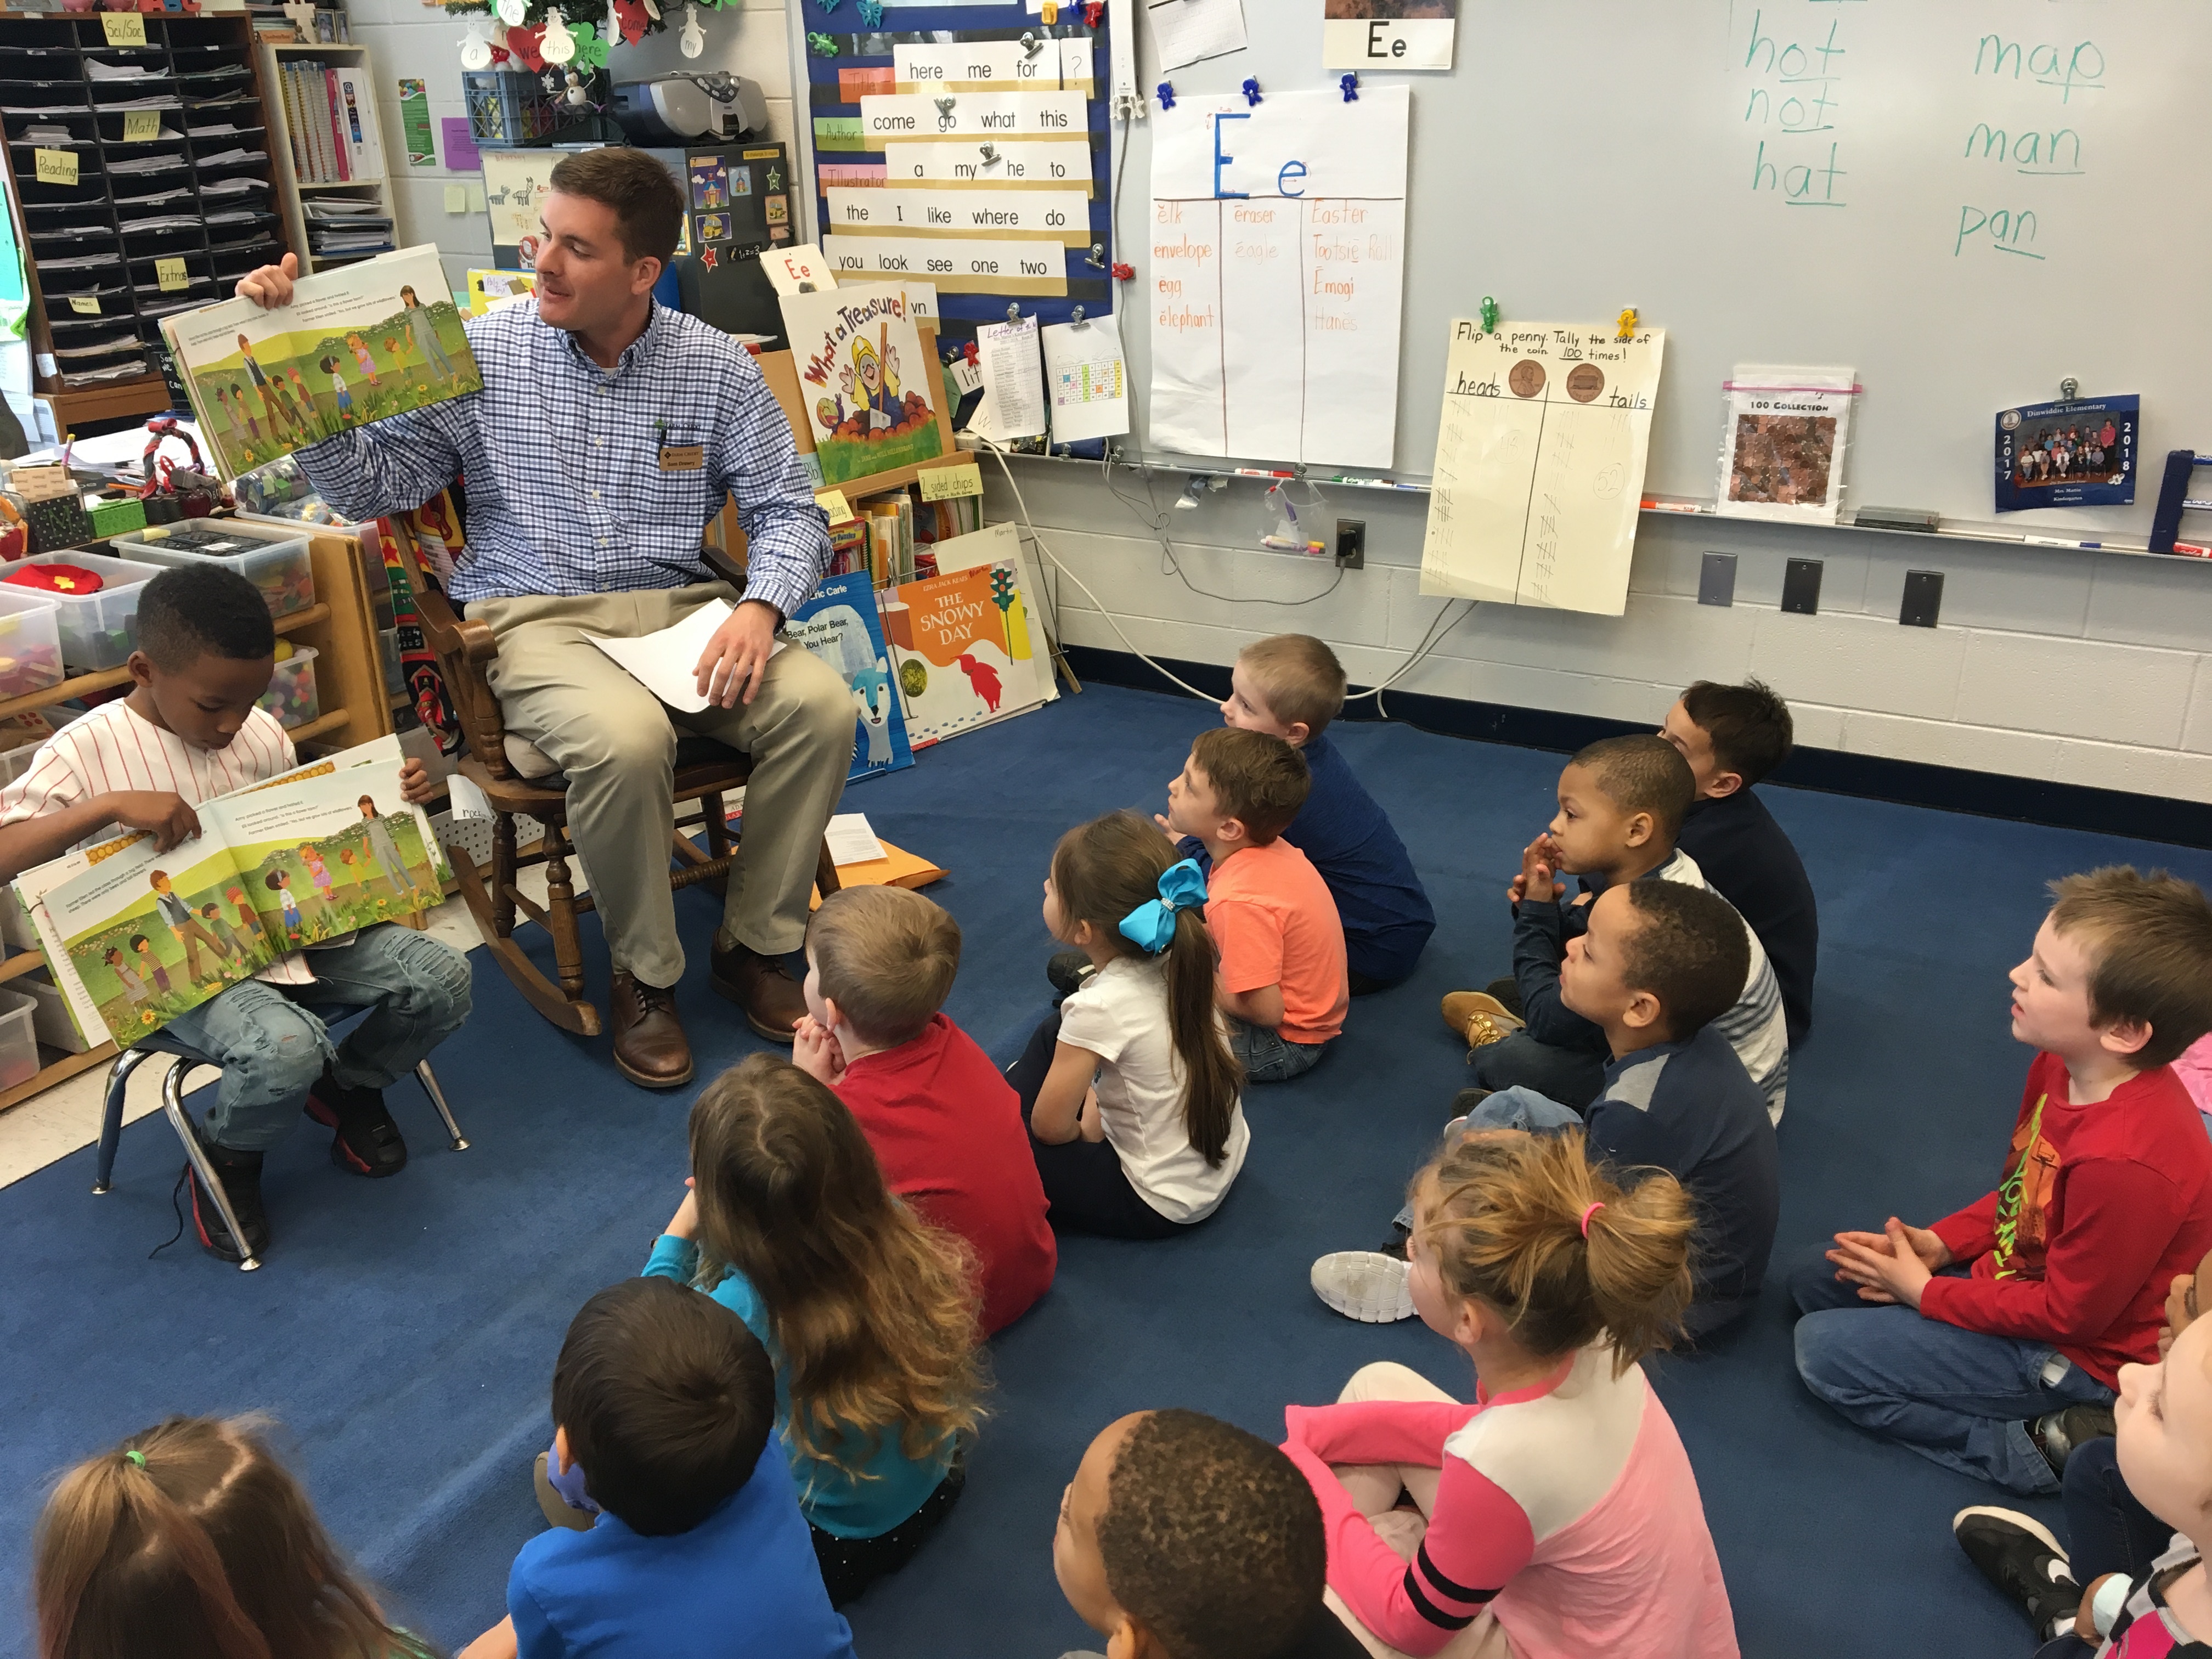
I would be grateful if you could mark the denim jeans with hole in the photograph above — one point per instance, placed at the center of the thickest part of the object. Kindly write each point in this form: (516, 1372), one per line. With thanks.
(272, 1045)
(1958, 1397)
(1507, 1108)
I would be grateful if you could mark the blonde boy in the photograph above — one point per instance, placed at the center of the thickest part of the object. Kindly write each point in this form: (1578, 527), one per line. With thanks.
(1986, 1341)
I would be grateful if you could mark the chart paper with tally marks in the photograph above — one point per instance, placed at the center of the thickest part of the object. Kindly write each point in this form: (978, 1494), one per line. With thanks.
(1540, 463)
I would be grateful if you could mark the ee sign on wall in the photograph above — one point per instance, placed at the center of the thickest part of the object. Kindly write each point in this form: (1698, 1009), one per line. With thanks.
(1387, 34)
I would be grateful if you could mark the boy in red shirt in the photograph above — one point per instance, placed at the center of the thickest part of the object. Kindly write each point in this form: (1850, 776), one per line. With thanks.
(945, 1126)
(1993, 1341)
(1282, 981)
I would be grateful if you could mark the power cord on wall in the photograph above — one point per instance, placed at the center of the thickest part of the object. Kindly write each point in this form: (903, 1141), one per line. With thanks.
(1438, 628)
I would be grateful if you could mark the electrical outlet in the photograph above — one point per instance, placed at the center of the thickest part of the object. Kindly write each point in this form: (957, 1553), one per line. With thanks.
(1351, 544)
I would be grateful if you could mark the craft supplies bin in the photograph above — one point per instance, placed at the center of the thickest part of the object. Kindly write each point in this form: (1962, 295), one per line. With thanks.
(291, 694)
(30, 643)
(280, 568)
(99, 630)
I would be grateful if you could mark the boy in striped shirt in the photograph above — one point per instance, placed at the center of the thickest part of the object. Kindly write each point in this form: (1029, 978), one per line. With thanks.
(189, 730)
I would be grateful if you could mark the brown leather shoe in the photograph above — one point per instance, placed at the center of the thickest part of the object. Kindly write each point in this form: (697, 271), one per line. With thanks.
(649, 1045)
(772, 1000)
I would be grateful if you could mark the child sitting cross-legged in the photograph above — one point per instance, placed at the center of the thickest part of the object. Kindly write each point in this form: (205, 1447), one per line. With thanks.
(945, 1126)
(1733, 736)
(1132, 1092)
(1282, 979)
(1657, 966)
(1292, 686)
(1556, 1517)
(665, 1404)
(868, 1313)
(1621, 801)
(190, 729)
(1991, 1342)
(191, 1539)
(1182, 1537)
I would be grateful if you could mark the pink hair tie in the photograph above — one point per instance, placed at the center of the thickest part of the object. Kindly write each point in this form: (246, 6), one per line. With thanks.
(1588, 1213)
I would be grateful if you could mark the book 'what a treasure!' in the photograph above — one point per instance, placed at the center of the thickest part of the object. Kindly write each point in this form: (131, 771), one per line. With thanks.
(136, 937)
(357, 344)
(865, 379)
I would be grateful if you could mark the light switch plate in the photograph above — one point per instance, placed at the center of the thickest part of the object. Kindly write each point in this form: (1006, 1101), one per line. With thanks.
(1717, 580)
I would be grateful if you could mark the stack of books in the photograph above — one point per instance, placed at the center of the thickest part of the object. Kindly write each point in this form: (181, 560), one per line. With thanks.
(330, 114)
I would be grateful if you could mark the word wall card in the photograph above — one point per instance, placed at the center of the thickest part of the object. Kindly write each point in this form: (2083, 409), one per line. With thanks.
(971, 155)
(1277, 275)
(1539, 464)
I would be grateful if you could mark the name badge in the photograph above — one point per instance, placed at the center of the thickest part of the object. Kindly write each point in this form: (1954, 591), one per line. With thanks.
(682, 458)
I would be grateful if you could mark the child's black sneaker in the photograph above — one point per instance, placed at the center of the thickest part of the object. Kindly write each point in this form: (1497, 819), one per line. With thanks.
(240, 1176)
(1508, 992)
(2018, 1554)
(367, 1141)
(1067, 970)
(2057, 1433)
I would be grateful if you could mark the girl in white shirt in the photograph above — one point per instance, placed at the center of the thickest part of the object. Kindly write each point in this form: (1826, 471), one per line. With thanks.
(1130, 1088)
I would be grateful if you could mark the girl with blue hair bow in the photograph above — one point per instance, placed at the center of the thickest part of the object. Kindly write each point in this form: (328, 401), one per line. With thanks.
(1130, 1087)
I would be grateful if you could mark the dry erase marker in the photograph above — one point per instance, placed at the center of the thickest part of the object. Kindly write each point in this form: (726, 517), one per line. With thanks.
(2052, 541)
(1675, 506)
(1262, 472)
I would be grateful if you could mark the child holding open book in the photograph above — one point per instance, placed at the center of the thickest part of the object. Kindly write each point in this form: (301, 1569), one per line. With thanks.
(190, 731)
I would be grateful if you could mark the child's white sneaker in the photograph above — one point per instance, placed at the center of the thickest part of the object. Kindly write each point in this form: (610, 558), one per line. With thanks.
(1365, 1284)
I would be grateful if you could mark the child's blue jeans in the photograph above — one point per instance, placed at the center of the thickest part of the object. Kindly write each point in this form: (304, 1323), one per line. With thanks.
(273, 1046)
(1958, 1397)
(1266, 1056)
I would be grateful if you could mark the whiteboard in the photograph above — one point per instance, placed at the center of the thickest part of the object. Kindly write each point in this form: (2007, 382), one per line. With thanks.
(1589, 155)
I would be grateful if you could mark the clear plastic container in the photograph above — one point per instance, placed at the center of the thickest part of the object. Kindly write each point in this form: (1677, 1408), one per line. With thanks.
(291, 694)
(50, 1019)
(279, 566)
(30, 642)
(19, 1042)
(99, 630)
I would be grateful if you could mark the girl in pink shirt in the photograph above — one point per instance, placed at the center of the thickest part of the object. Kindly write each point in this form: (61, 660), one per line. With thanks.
(1557, 1517)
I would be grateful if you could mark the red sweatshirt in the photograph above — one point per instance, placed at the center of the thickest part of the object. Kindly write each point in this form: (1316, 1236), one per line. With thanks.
(2099, 1207)
(948, 1132)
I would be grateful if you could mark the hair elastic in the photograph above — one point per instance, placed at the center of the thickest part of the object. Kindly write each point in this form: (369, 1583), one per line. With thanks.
(1588, 1213)
(134, 1456)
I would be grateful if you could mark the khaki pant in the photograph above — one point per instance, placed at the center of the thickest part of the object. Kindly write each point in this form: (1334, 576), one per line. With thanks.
(617, 743)
(1377, 1488)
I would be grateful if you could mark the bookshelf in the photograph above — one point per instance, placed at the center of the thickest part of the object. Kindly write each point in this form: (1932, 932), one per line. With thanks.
(303, 133)
(165, 211)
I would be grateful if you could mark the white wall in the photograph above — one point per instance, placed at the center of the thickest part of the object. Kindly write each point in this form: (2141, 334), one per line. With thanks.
(2072, 667)
(418, 40)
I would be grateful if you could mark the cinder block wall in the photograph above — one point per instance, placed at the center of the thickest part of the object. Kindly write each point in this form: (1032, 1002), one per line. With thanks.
(2049, 664)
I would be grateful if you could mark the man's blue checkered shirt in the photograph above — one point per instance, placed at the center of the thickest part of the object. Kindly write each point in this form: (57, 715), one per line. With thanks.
(566, 491)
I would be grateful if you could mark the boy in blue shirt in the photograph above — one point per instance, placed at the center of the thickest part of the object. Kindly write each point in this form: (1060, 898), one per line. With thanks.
(665, 1407)
(1657, 966)
(1733, 736)
(1291, 687)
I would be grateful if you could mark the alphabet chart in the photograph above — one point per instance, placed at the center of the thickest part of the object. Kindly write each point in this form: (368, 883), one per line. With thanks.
(1540, 463)
(1277, 274)
(963, 145)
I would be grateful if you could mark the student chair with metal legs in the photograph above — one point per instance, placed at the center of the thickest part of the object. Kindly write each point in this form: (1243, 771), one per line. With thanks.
(184, 1060)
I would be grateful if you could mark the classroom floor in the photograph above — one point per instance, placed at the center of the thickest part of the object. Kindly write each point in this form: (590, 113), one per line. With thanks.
(404, 1330)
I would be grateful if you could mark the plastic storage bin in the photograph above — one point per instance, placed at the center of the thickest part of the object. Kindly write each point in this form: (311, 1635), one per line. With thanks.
(50, 1018)
(19, 1042)
(99, 630)
(291, 694)
(30, 642)
(279, 566)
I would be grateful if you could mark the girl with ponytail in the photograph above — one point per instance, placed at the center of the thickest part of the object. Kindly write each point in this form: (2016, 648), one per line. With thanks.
(1130, 1088)
(1557, 1517)
(191, 1540)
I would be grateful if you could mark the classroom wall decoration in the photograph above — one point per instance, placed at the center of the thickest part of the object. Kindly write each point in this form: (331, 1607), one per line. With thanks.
(1784, 438)
(1387, 34)
(968, 149)
(1540, 463)
(2080, 452)
(1277, 274)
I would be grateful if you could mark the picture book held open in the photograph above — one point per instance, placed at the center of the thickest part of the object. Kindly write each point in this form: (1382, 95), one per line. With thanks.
(136, 937)
(357, 344)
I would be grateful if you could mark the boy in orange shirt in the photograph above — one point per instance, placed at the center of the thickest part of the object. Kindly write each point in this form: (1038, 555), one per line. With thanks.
(1282, 982)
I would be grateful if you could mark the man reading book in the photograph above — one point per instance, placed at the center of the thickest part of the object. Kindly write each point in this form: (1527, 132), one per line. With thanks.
(608, 433)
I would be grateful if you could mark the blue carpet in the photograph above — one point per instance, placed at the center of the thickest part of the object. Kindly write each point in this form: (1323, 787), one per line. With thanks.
(404, 1330)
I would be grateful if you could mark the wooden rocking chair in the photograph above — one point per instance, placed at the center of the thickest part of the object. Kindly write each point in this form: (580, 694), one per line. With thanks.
(704, 770)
